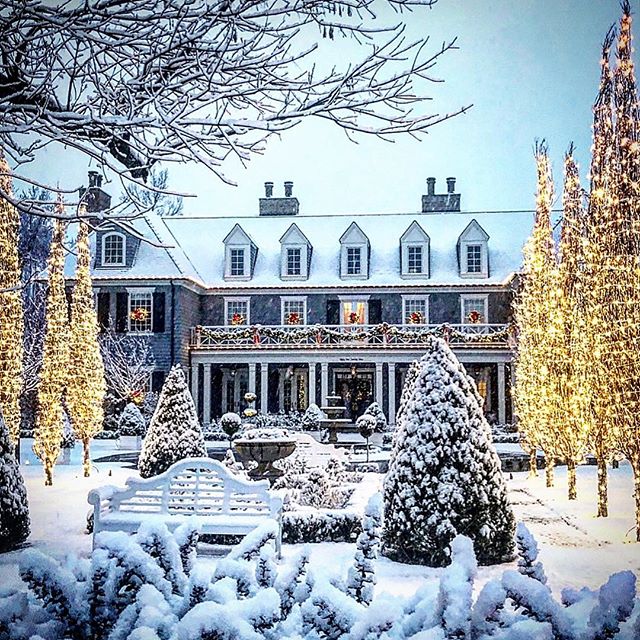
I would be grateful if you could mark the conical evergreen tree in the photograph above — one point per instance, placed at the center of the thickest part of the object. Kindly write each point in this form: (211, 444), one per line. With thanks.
(10, 308)
(86, 386)
(14, 507)
(174, 432)
(444, 475)
(55, 360)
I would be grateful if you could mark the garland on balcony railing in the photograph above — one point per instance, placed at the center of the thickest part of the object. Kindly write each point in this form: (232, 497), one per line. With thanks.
(322, 334)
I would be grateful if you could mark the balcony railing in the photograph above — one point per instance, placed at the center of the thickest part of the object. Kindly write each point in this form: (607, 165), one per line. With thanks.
(352, 336)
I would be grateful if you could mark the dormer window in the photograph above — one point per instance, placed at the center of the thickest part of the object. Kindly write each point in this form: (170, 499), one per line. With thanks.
(240, 255)
(354, 253)
(295, 254)
(473, 252)
(113, 250)
(414, 252)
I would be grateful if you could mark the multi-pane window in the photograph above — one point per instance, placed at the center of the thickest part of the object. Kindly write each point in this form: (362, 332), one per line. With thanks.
(294, 311)
(354, 264)
(236, 257)
(415, 311)
(294, 262)
(140, 312)
(414, 259)
(474, 258)
(474, 310)
(237, 312)
(113, 249)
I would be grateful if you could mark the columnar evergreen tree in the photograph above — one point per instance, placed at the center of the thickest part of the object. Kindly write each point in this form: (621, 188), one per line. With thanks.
(55, 360)
(444, 474)
(131, 422)
(572, 359)
(14, 507)
(539, 329)
(86, 385)
(10, 308)
(407, 390)
(174, 432)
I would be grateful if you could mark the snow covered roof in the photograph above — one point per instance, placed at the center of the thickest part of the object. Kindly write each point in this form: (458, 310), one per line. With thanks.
(202, 240)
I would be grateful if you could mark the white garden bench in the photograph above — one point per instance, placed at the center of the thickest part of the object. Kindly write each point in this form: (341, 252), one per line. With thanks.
(222, 503)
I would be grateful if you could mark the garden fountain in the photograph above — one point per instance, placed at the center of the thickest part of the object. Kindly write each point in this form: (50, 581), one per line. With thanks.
(335, 419)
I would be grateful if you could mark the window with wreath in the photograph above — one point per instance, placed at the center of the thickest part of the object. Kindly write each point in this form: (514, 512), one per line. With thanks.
(474, 309)
(354, 312)
(140, 312)
(294, 311)
(415, 311)
(237, 312)
(113, 250)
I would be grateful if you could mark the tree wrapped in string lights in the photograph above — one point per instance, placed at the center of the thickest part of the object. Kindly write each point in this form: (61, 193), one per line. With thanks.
(571, 429)
(539, 329)
(11, 319)
(55, 362)
(86, 385)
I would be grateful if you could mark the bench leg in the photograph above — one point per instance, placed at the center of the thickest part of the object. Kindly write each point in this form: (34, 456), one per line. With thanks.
(279, 541)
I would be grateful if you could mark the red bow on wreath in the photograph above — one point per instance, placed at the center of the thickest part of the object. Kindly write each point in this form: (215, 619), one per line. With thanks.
(139, 314)
(237, 318)
(354, 318)
(415, 317)
(293, 318)
(474, 317)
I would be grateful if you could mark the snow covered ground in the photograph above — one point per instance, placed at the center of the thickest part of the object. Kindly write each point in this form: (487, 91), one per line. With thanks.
(577, 549)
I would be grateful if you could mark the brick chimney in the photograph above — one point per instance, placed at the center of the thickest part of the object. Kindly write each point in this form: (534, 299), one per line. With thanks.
(287, 206)
(95, 197)
(441, 202)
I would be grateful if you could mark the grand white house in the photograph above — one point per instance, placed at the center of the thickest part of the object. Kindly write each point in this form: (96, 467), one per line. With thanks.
(296, 307)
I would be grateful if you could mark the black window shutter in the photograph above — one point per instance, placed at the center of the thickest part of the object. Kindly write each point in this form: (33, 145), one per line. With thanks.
(333, 312)
(104, 301)
(122, 311)
(157, 380)
(375, 311)
(158, 312)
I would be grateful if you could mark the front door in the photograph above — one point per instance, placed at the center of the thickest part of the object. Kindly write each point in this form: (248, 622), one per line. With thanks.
(356, 389)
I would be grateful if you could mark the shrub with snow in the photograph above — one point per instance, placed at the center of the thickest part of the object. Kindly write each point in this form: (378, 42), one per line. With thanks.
(132, 422)
(230, 424)
(174, 432)
(444, 474)
(264, 434)
(14, 508)
(381, 420)
(311, 418)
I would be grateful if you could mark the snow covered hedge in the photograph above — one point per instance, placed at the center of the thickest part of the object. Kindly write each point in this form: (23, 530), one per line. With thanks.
(151, 587)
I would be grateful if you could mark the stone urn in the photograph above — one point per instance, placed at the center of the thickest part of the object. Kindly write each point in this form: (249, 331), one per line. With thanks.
(264, 446)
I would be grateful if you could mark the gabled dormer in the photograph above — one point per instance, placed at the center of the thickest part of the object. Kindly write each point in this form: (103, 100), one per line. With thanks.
(240, 253)
(115, 248)
(414, 252)
(295, 254)
(354, 253)
(473, 252)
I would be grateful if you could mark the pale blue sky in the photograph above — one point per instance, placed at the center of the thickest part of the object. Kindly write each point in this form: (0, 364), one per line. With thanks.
(531, 69)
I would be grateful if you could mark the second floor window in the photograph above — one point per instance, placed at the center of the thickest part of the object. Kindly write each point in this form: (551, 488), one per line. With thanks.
(414, 259)
(294, 311)
(354, 264)
(474, 310)
(140, 312)
(474, 258)
(237, 262)
(113, 250)
(294, 262)
(237, 312)
(415, 311)
(354, 312)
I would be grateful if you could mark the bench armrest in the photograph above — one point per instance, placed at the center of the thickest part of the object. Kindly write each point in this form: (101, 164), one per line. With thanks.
(97, 495)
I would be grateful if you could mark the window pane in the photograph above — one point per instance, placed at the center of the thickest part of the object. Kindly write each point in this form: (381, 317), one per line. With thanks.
(415, 311)
(474, 258)
(113, 249)
(353, 261)
(293, 312)
(237, 312)
(354, 312)
(414, 260)
(237, 262)
(140, 312)
(473, 310)
(294, 262)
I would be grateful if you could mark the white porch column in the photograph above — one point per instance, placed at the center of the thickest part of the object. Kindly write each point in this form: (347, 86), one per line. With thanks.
(379, 390)
(324, 381)
(194, 384)
(392, 393)
(264, 387)
(312, 383)
(206, 395)
(502, 409)
(252, 377)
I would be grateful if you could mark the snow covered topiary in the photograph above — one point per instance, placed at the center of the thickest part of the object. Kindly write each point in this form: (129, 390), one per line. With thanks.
(362, 575)
(311, 418)
(444, 474)
(528, 554)
(374, 410)
(230, 423)
(14, 508)
(174, 432)
(132, 422)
